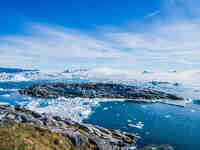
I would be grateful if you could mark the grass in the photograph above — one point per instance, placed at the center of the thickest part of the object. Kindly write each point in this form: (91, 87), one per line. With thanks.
(18, 136)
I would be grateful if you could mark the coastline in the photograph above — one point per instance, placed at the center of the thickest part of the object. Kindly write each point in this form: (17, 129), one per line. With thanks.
(78, 136)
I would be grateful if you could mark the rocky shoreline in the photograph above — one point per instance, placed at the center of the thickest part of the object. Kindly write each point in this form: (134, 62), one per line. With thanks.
(97, 90)
(81, 135)
(78, 136)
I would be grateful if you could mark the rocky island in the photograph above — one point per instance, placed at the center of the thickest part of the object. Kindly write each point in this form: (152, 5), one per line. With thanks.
(96, 90)
(22, 129)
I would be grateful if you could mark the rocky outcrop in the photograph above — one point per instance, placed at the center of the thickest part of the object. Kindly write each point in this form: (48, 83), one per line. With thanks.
(20, 128)
(82, 136)
(96, 90)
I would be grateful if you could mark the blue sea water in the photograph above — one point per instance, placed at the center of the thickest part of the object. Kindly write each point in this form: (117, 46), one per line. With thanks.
(163, 124)
(154, 123)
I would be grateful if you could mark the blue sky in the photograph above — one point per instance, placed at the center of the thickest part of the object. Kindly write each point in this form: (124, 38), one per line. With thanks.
(84, 15)
(153, 34)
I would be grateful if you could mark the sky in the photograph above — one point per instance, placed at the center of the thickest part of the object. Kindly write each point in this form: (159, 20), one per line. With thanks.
(139, 34)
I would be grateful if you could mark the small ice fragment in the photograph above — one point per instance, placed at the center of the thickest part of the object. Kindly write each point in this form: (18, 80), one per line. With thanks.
(133, 148)
(193, 110)
(2, 103)
(144, 106)
(105, 108)
(167, 116)
(135, 126)
(188, 100)
(129, 120)
(147, 133)
(6, 95)
(139, 125)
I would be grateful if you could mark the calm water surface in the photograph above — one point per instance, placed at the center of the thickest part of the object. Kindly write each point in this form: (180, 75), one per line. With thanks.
(163, 124)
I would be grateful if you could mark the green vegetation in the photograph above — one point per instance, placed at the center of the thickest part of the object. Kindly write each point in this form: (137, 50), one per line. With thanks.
(18, 136)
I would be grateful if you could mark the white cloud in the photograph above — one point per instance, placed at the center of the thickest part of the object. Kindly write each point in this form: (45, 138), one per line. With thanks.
(176, 43)
(51, 45)
(170, 37)
(152, 14)
(50, 41)
(163, 46)
(170, 44)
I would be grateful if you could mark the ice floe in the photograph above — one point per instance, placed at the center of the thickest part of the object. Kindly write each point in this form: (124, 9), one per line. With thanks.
(167, 116)
(139, 125)
(76, 108)
(5, 95)
(2, 103)
(105, 108)
(193, 110)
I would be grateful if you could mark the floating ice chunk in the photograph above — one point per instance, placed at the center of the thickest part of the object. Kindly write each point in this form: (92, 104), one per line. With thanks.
(8, 90)
(86, 112)
(188, 100)
(3, 103)
(5, 95)
(167, 116)
(144, 106)
(76, 108)
(139, 125)
(133, 148)
(129, 120)
(105, 108)
(135, 126)
(193, 110)
(147, 133)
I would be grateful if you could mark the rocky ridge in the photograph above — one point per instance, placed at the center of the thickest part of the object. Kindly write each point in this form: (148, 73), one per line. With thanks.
(81, 135)
(96, 90)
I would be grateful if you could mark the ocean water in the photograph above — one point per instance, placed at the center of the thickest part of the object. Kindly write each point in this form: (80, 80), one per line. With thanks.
(154, 123)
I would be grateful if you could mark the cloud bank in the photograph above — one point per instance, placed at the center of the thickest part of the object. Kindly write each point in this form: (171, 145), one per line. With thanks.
(51, 45)
(164, 44)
